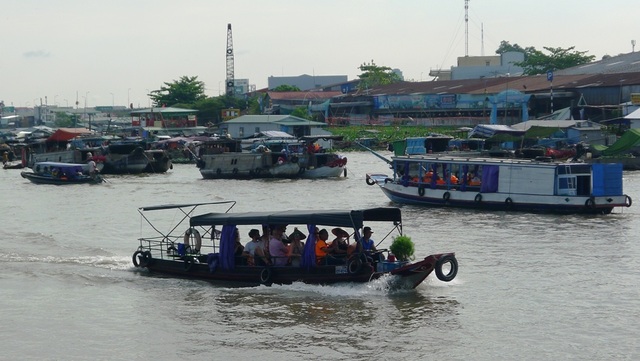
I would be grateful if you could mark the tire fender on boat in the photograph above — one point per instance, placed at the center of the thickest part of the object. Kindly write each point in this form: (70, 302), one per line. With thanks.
(628, 201)
(354, 266)
(141, 258)
(218, 171)
(137, 258)
(508, 202)
(370, 181)
(446, 196)
(421, 190)
(234, 171)
(478, 198)
(387, 180)
(590, 203)
(265, 276)
(453, 271)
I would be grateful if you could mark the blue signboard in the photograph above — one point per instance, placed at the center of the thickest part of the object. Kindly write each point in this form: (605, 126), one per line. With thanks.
(550, 75)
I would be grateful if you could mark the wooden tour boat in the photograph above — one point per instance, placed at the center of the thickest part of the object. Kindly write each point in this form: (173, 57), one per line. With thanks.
(201, 246)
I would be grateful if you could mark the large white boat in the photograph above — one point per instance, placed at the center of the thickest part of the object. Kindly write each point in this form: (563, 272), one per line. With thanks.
(503, 184)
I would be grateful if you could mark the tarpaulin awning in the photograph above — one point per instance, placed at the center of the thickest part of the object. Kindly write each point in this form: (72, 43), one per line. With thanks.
(65, 134)
(628, 140)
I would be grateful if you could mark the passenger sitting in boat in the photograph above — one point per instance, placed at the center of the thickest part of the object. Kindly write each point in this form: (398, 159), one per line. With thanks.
(454, 179)
(296, 247)
(427, 177)
(238, 247)
(277, 248)
(321, 245)
(339, 245)
(474, 181)
(337, 250)
(254, 250)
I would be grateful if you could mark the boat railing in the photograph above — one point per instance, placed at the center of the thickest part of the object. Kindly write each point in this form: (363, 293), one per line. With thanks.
(171, 246)
(448, 186)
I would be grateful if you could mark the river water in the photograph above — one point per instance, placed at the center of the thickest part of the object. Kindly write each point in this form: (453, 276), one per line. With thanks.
(530, 286)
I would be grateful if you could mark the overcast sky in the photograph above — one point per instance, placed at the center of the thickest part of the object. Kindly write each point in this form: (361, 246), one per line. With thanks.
(116, 51)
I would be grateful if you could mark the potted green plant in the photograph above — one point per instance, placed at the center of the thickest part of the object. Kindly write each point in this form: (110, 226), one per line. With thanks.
(402, 247)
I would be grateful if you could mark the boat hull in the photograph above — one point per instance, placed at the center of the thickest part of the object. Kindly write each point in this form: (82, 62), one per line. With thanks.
(503, 201)
(44, 179)
(409, 276)
(505, 185)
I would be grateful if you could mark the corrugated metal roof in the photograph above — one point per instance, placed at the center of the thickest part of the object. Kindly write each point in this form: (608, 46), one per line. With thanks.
(288, 120)
(623, 63)
(165, 110)
(302, 95)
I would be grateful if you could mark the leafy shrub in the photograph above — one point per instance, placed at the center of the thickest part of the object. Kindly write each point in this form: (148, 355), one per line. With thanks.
(403, 248)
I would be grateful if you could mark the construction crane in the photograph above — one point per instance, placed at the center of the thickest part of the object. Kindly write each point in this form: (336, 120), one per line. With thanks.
(230, 88)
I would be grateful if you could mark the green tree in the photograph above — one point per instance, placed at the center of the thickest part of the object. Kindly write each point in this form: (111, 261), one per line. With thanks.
(537, 62)
(286, 88)
(301, 112)
(64, 120)
(374, 75)
(187, 90)
(505, 46)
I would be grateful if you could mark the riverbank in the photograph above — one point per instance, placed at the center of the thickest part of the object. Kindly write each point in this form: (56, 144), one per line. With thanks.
(378, 137)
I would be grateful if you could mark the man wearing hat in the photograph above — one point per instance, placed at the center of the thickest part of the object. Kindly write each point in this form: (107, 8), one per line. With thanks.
(368, 245)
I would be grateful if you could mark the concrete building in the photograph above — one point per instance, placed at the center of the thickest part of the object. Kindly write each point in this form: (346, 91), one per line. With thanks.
(248, 125)
(477, 67)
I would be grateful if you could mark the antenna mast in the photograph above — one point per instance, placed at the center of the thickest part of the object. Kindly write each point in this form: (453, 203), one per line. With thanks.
(230, 83)
(482, 38)
(466, 27)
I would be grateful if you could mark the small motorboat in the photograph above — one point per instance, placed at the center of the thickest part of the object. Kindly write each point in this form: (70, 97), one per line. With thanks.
(61, 173)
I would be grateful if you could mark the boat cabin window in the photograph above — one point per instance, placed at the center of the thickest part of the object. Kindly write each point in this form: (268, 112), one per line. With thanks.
(574, 180)
(566, 186)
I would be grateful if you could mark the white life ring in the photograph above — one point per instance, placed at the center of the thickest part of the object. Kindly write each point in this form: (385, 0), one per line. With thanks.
(196, 235)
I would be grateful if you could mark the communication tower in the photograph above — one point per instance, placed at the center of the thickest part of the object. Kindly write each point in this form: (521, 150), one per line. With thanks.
(230, 83)
(466, 27)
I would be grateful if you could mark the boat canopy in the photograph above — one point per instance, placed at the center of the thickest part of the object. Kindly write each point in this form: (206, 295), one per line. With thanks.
(339, 218)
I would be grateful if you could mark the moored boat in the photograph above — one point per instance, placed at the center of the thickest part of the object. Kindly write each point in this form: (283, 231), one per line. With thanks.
(61, 174)
(504, 184)
(201, 246)
(268, 158)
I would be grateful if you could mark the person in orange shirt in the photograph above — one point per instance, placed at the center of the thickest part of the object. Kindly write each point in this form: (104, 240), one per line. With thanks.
(321, 245)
